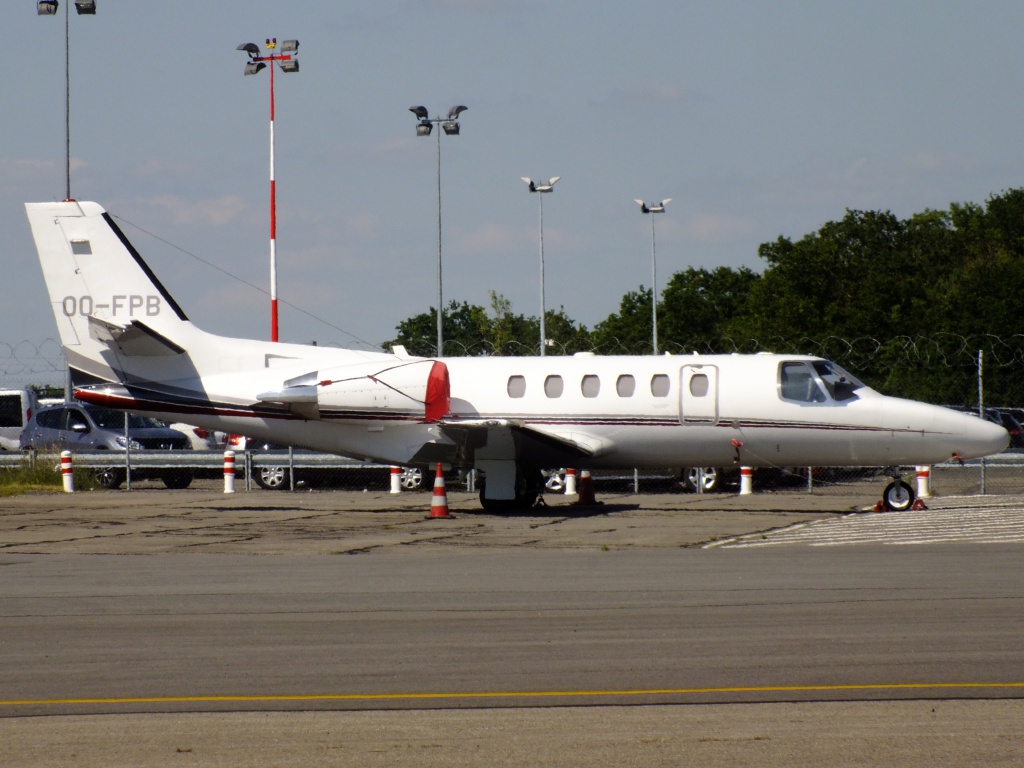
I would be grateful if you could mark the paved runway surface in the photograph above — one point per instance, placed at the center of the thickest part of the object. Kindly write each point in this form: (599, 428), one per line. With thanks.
(488, 640)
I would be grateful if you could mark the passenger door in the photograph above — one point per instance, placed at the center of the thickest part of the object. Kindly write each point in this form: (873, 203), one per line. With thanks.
(698, 399)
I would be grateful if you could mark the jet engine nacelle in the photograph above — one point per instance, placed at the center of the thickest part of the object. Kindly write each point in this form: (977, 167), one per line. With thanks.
(417, 390)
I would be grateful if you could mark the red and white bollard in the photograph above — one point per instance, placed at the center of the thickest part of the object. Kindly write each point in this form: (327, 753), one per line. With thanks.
(746, 481)
(229, 471)
(439, 501)
(924, 482)
(67, 471)
(396, 479)
(570, 482)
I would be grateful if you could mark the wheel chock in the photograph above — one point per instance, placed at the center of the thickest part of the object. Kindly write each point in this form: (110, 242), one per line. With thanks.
(918, 504)
(880, 506)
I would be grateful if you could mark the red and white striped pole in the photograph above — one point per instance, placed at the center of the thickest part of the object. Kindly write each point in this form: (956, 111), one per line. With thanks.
(924, 481)
(273, 209)
(288, 61)
(229, 471)
(746, 481)
(67, 471)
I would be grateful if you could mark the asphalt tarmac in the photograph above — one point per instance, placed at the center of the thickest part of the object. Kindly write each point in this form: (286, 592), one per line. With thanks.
(198, 628)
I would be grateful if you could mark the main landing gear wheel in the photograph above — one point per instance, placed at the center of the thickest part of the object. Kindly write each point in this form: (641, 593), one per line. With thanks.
(898, 496)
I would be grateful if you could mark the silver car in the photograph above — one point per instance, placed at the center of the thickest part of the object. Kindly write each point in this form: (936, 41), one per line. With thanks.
(79, 427)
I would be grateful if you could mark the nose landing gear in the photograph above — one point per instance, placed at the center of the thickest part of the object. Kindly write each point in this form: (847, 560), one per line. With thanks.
(898, 496)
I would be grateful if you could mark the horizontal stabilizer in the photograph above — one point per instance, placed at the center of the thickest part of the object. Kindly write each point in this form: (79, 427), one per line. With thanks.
(133, 340)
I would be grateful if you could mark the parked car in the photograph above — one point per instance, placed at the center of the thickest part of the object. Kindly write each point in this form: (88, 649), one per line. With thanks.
(274, 476)
(80, 427)
(202, 439)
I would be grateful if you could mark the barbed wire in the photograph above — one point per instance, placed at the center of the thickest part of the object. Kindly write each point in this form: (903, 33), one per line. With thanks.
(28, 362)
(943, 349)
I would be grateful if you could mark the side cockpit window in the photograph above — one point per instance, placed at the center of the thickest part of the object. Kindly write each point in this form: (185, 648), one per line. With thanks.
(817, 381)
(797, 383)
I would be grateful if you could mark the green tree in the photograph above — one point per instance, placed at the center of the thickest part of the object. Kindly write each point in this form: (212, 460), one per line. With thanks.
(629, 331)
(699, 309)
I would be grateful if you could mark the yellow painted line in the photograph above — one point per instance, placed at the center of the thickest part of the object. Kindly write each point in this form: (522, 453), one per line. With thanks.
(508, 694)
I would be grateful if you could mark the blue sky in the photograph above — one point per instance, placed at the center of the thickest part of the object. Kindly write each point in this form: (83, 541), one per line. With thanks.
(759, 119)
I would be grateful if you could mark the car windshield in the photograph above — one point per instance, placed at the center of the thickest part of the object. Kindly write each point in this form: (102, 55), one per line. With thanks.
(106, 418)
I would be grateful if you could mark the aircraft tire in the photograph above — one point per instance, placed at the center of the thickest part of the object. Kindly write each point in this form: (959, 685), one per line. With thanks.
(898, 496)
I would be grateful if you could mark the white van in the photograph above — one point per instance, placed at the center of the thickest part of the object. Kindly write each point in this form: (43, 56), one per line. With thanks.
(16, 408)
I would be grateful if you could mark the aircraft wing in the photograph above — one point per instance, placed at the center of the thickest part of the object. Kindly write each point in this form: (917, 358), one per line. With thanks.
(507, 439)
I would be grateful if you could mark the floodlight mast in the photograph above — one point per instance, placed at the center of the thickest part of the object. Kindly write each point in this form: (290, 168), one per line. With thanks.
(288, 63)
(653, 208)
(424, 127)
(542, 188)
(82, 8)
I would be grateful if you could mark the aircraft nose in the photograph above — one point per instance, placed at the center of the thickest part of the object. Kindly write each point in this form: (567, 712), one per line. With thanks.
(978, 437)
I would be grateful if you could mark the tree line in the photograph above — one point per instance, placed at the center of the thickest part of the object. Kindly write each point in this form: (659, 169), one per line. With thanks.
(905, 304)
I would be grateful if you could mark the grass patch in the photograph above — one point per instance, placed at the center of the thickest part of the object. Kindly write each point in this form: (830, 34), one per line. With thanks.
(44, 475)
(24, 477)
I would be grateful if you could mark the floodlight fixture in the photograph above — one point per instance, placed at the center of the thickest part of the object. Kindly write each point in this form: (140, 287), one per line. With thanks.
(47, 7)
(85, 7)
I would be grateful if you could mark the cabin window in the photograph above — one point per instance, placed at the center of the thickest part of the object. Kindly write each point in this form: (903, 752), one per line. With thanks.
(699, 385)
(553, 386)
(516, 386)
(625, 385)
(797, 383)
(590, 386)
(659, 385)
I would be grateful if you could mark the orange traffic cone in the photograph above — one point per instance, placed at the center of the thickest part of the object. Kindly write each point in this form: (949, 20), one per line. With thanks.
(586, 489)
(439, 501)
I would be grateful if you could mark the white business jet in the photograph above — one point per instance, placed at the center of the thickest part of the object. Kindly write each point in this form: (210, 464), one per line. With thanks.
(130, 346)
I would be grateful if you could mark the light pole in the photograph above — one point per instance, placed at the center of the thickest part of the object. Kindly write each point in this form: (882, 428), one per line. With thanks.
(83, 8)
(654, 208)
(424, 127)
(288, 62)
(541, 188)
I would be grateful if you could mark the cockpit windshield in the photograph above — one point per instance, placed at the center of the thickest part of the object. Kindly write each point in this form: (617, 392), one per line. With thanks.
(840, 384)
(817, 381)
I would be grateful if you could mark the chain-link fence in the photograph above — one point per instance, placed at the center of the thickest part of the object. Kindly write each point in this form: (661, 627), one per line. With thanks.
(980, 373)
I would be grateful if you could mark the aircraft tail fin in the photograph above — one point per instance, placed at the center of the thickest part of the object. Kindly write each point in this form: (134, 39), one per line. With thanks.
(112, 313)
